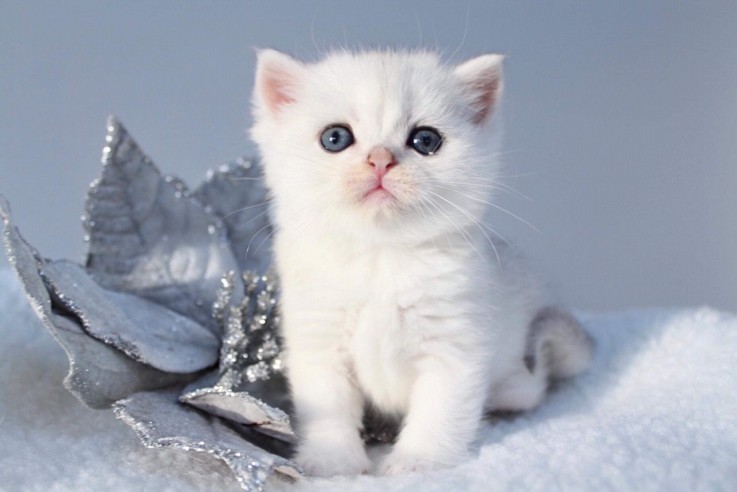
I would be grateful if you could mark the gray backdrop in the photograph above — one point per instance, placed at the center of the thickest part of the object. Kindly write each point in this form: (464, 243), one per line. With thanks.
(621, 118)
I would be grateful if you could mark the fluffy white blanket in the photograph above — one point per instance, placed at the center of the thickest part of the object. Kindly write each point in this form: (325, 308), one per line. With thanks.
(658, 411)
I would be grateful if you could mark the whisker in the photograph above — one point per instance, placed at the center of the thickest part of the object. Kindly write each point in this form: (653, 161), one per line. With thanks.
(467, 214)
(465, 31)
(246, 208)
(487, 226)
(260, 214)
(477, 185)
(466, 236)
(492, 205)
(298, 226)
(248, 247)
(494, 186)
(273, 230)
(245, 178)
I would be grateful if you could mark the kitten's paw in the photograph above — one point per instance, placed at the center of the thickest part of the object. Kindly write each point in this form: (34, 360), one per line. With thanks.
(398, 463)
(320, 460)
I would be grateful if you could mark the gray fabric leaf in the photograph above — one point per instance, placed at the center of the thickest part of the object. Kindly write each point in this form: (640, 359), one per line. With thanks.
(143, 330)
(160, 421)
(149, 237)
(236, 193)
(98, 374)
(264, 406)
(26, 262)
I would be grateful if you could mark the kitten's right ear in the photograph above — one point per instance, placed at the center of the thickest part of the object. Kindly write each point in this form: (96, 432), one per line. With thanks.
(277, 77)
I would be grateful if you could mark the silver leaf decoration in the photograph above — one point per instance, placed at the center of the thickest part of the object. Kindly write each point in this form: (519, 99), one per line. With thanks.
(160, 421)
(149, 237)
(162, 299)
(144, 331)
(263, 406)
(98, 374)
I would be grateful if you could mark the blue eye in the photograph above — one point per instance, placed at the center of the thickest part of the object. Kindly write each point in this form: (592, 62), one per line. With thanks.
(336, 138)
(425, 140)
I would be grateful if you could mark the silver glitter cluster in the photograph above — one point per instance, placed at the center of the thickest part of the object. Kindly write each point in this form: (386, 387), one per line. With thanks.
(250, 349)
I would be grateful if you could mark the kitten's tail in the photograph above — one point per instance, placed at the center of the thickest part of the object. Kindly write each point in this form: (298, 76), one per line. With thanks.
(562, 343)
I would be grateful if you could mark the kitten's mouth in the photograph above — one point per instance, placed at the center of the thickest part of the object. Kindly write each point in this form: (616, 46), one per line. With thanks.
(378, 194)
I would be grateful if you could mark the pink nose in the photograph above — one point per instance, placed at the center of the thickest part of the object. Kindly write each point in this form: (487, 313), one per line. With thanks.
(381, 160)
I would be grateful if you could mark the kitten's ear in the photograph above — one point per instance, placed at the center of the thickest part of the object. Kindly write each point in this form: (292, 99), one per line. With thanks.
(277, 77)
(482, 77)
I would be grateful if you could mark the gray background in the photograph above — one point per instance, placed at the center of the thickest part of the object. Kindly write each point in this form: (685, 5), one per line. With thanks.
(621, 119)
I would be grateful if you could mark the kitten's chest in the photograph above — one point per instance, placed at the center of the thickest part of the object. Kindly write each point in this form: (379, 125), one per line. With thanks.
(380, 353)
(385, 335)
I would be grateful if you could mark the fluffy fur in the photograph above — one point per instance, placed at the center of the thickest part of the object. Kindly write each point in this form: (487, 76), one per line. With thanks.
(398, 298)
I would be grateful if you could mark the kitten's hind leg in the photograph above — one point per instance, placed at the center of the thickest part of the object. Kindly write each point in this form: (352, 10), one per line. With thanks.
(521, 391)
(557, 347)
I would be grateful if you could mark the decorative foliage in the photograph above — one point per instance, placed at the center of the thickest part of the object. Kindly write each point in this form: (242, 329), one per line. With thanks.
(173, 320)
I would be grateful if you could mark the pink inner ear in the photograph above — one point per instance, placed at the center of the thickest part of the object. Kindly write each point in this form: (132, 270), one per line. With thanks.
(275, 90)
(486, 92)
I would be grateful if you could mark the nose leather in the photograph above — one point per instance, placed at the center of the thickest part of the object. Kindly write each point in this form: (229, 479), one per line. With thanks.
(381, 160)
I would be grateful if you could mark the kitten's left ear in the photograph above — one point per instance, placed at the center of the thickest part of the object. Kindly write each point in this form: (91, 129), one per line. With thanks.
(482, 77)
(278, 76)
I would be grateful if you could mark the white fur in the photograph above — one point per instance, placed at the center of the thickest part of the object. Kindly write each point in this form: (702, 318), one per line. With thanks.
(399, 302)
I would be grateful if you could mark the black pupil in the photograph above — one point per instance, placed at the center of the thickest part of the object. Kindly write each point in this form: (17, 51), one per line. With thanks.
(334, 137)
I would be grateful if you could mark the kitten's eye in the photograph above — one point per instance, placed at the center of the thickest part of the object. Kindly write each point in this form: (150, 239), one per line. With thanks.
(425, 140)
(336, 138)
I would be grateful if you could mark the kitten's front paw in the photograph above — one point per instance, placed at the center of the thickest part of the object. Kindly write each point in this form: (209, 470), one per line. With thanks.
(398, 463)
(319, 460)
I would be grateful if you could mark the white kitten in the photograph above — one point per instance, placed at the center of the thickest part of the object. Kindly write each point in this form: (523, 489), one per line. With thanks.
(392, 293)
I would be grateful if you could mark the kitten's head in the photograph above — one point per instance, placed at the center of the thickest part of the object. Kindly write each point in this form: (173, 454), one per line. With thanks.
(377, 143)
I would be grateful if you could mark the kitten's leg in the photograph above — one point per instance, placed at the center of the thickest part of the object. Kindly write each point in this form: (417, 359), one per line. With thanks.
(445, 412)
(520, 391)
(329, 410)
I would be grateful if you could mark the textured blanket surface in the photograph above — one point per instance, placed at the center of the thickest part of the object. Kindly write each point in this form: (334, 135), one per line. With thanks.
(657, 411)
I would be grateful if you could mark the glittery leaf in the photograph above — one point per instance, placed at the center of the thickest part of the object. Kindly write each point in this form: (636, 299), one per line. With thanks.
(264, 406)
(236, 193)
(143, 330)
(160, 421)
(149, 237)
(98, 374)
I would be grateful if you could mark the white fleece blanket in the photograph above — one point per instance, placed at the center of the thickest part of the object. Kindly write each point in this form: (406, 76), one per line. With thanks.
(658, 411)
